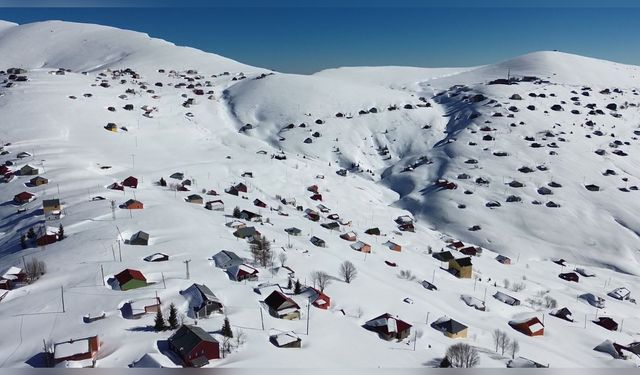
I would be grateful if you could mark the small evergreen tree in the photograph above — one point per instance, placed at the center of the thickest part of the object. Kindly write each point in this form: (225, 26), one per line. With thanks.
(159, 323)
(226, 328)
(23, 241)
(60, 232)
(297, 289)
(289, 284)
(163, 182)
(31, 234)
(236, 212)
(173, 316)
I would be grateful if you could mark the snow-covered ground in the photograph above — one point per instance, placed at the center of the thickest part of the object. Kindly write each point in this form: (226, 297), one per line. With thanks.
(426, 125)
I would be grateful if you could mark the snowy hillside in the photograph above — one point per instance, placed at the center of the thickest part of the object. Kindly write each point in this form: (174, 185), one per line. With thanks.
(340, 151)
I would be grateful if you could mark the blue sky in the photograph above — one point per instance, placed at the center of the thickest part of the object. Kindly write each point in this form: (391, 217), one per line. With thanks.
(295, 36)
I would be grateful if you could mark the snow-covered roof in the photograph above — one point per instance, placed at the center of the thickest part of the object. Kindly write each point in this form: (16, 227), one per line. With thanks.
(11, 273)
(67, 349)
(286, 338)
(154, 360)
(138, 306)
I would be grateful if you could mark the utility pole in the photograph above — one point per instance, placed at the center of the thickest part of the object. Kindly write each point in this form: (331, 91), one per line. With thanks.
(308, 316)
(113, 252)
(484, 299)
(261, 318)
(102, 272)
(113, 210)
(415, 340)
(186, 263)
(62, 297)
(427, 321)
(119, 250)
(163, 282)
(433, 278)
(24, 264)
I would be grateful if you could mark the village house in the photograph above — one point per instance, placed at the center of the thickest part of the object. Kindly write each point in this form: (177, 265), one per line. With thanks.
(216, 205)
(84, 350)
(177, 176)
(361, 246)
(247, 233)
(115, 186)
(443, 256)
(225, 259)
(607, 323)
(393, 246)
(133, 204)
(38, 180)
(12, 278)
(331, 225)
(258, 203)
(28, 170)
(461, 267)
(317, 197)
(505, 298)
(318, 241)
(236, 224)
(389, 327)
(111, 127)
(286, 340)
(569, 276)
(22, 198)
(23, 154)
(562, 313)
(349, 236)
(202, 301)
(51, 207)
(312, 215)
(130, 279)
(250, 216)
(470, 251)
(293, 231)
(46, 239)
(317, 298)
(529, 327)
(144, 306)
(621, 294)
(503, 259)
(139, 238)
(451, 328)
(282, 307)
(242, 272)
(373, 231)
(130, 182)
(456, 245)
(156, 257)
(194, 198)
(194, 346)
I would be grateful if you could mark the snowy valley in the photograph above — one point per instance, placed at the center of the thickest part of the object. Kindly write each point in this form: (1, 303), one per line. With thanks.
(468, 200)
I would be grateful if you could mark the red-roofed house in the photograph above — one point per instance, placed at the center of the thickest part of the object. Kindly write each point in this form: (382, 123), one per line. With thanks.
(530, 327)
(389, 327)
(22, 198)
(131, 182)
(131, 279)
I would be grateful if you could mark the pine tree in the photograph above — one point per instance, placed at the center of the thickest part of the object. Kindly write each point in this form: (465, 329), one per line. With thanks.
(31, 234)
(236, 212)
(163, 182)
(159, 323)
(23, 241)
(297, 288)
(173, 316)
(289, 284)
(226, 328)
(60, 232)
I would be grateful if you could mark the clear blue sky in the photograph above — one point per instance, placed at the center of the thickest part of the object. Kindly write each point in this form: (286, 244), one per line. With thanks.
(293, 36)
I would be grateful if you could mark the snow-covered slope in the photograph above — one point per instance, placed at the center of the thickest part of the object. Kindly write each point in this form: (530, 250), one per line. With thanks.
(395, 77)
(421, 129)
(88, 47)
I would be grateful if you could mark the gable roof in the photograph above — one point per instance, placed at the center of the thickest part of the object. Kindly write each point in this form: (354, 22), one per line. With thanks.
(386, 323)
(449, 325)
(278, 301)
(128, 275)
(463, 262)
(225, 256)
(187, 337)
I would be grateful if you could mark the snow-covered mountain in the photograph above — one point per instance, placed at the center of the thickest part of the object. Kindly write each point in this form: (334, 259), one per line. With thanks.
(534, 158)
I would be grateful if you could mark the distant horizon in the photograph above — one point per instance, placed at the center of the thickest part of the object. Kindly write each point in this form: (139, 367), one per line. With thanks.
(306, 40)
